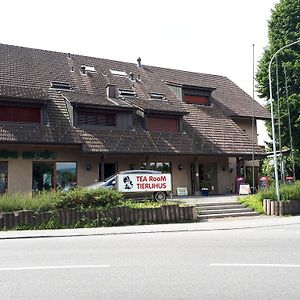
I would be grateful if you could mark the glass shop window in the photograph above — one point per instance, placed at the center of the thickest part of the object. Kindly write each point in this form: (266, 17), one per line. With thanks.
(66, 175)
(164, 167)
(54, 175)
(3, 177)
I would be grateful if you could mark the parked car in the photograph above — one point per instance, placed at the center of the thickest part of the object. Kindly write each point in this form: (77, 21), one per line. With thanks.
(111, 183)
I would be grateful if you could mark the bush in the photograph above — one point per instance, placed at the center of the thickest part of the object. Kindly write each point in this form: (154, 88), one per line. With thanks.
(43, 201)
(79, 198)
(252, 201)
(287, 192)
(82, 198)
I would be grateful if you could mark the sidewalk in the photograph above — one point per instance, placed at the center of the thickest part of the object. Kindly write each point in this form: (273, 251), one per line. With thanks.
(216, 224)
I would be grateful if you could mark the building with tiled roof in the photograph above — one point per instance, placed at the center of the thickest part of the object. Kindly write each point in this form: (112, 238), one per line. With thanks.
(71, 119)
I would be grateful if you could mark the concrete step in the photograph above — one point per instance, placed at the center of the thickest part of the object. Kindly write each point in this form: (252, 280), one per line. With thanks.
(219, 207)
(224, 210)
(228, 215)
(217, 203)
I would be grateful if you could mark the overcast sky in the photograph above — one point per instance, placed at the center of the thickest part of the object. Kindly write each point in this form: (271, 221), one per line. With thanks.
(206, 36)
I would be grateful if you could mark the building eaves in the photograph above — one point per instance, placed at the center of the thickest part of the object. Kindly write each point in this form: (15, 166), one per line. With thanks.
(95, 100)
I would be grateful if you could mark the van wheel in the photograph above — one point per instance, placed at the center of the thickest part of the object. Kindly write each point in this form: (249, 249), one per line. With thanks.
(160, 196)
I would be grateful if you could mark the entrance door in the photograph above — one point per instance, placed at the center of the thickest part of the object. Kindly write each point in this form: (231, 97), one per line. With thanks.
(208, 175)
(109, 169)
(3, 177)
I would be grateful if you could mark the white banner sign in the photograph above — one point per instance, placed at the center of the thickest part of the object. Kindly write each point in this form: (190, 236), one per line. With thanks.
(244, 189)
(144, 182)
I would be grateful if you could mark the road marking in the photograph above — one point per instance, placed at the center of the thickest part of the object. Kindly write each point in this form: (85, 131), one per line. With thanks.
(54, 267)
(256, 265)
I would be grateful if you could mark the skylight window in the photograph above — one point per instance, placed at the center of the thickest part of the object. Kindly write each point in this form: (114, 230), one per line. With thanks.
(60, 85)
(87, 69)
(157, 96)
(126, 93)
(118, 73)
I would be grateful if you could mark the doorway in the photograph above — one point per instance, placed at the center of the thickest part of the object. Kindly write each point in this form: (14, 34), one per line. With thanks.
(108, 170)
(208, 175)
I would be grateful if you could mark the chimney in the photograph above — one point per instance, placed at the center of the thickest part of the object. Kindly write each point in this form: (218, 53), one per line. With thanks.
(82, 69)
(131, 76)
(111, 91)
(139, 61)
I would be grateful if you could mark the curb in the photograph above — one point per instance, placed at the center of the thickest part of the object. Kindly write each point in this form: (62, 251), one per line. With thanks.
(11, 234)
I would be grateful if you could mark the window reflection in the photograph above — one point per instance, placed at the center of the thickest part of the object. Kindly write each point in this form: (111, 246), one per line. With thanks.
(164, 167)
(66, 175)
(43, 174)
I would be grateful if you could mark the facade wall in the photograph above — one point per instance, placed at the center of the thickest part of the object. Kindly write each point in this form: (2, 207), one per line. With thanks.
(19, 176)
(20, 170)
(246, 126)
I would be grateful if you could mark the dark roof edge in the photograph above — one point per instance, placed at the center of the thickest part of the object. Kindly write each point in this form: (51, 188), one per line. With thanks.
(260, 155)
(249, 117)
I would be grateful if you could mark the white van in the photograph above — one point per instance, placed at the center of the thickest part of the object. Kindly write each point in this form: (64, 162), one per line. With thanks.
(138, 183)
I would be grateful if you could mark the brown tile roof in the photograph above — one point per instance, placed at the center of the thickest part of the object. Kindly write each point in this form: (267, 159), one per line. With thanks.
(32, 93)
(28, 73)
(232, 100)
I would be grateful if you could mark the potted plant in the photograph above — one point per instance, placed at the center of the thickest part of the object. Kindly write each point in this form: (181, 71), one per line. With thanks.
(204, 186)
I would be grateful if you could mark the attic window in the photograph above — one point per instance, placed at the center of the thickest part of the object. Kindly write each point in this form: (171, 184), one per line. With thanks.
(87, 69)
(22, 114)
(157, 96)
(163, 123)
(118, 73)
(196, 99)
(197, 95)
(126, 93)
(60, 85)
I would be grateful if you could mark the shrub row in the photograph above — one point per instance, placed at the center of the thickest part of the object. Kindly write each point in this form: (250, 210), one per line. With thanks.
(84, 208)
(287, 193)
(46, 201)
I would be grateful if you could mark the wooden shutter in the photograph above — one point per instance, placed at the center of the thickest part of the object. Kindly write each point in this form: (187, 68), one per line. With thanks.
(20, 114)
(163, 124)
(193, 99)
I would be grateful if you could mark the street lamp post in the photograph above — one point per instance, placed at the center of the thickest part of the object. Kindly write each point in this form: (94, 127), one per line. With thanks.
(272, 118)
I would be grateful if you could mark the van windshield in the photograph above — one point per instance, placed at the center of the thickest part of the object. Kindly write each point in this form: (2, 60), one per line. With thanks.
(109, 177)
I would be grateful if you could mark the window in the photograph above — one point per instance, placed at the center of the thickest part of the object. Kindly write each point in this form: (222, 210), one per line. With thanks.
(42, 176)
(88, 69)
(197, 95)
(157, 96)
(53, 175)
(66, 175)
(196, 99)
(126, 93)
(60, 85)
(95, 118)
(3, 177)
(161, 123)
(164, 167)
(118, 73)
(20, 114)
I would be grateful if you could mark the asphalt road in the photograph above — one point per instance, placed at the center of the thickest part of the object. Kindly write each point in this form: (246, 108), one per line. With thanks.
(257, 263)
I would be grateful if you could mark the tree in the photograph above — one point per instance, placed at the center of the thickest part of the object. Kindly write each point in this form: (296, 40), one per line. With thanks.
(284, 28)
